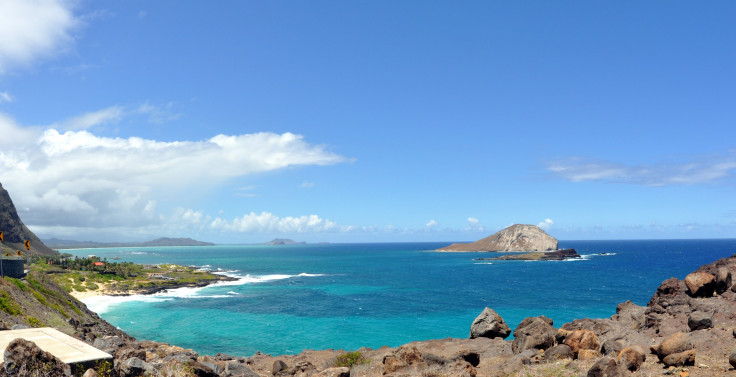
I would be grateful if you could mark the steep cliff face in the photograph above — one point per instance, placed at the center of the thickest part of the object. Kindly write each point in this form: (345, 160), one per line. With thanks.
(514, 238)
(14, 232)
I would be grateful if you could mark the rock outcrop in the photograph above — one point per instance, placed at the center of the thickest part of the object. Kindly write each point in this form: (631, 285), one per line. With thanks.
(514, 238)
(489, 325)
(15, 233)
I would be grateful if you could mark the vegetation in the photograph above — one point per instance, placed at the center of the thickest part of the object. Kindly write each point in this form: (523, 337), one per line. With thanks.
(351, 359)
(83, 274)
(8, 305)
(34, 322)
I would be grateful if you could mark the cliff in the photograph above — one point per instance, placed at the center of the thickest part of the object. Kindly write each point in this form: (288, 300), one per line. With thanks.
(15, 233)
(514, 238)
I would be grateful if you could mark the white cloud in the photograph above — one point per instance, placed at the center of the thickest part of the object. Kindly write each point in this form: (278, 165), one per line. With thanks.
(266, 222)
(34, 29)
(112, 114)
(5, 97)
(80, 179)
(546, 224)
(700, 171)
(474, 225)
(432, 224)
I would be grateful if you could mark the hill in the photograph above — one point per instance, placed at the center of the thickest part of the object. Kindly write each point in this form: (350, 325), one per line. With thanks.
(15, 233)
(516, 237)
(284, 241)
(163, 241)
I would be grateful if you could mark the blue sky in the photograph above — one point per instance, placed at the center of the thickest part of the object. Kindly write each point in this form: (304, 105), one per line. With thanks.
(368, 121)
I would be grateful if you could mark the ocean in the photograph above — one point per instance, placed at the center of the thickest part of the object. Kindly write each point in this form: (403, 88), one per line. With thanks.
(346, 296)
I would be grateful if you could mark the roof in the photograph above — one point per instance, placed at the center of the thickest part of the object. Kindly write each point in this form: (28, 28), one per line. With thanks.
(64, 347)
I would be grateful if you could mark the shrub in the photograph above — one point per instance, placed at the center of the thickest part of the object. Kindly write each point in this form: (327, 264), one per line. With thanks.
(34, 322)
(350, 359)
(8, 305)
(40, 298)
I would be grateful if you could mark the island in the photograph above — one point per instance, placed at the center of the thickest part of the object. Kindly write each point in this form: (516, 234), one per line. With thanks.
(56, 243)
(284, 241)
(517, 237)
(539, 255)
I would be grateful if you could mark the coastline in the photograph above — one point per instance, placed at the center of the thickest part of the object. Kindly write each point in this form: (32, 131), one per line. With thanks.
(645, 328)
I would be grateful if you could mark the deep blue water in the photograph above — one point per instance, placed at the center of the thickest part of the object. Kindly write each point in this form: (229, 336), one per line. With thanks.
(291, 298)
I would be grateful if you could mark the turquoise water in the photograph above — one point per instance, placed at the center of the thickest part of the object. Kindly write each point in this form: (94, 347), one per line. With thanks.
(346, 296)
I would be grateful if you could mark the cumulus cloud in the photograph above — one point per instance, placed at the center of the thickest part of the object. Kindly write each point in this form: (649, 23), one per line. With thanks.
(432, 224)
(474, 225)
(266, 222)
(80, 179)
(546, 224)
(34, 29)
(703, 170)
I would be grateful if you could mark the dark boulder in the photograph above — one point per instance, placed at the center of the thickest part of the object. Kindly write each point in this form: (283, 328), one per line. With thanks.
(489, 325)
(732, 358)
(534, 333)
(699, 321)
(24, 358)
(611, 347)
(606, 367)
(723, 279)
(558, 352)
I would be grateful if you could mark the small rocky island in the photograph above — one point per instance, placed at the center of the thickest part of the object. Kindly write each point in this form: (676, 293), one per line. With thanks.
(539, 255)
(518, 237)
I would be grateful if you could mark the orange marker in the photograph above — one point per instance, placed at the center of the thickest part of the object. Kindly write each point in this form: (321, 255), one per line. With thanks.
(28, 245)
(2, 236)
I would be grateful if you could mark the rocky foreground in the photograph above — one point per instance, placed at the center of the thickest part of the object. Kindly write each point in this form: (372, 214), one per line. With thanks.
(686, 329)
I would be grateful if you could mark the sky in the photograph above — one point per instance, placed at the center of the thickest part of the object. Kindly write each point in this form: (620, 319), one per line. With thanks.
(368, 121)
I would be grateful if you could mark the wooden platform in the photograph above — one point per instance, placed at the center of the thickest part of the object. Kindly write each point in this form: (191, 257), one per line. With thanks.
(64, 347)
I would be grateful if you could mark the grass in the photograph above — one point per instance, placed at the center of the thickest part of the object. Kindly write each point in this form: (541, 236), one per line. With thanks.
(34, 322)
(350, 359)
(8, 305)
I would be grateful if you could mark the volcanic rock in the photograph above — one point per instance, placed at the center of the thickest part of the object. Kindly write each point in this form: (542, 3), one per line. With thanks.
(680, 359)
(605, 367)
(24, 358)
(723, 280)
(700, 284)
(558, 352)
(514, 238)
(489, 325)
(632, 357)
(15, 233)
(698, 320)
(533, 333)
(582, 340)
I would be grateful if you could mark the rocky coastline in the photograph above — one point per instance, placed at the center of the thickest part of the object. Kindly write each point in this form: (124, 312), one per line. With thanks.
(688, 328)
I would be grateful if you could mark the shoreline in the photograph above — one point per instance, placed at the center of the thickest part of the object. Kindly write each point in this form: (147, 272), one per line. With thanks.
(643, 330)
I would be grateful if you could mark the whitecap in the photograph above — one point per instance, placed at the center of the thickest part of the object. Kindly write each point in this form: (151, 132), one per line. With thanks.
(101, 304)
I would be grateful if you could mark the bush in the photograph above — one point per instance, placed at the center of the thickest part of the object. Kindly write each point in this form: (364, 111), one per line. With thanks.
(34, 322)
(350, 359)
(8, 305)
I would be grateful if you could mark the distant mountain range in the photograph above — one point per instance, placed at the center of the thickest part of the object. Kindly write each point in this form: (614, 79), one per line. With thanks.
(284, 241)
(56, 243)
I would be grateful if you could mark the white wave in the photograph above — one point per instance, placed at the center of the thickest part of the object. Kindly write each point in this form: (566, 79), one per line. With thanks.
(484, 263)
(138, 252)
(101, 304)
